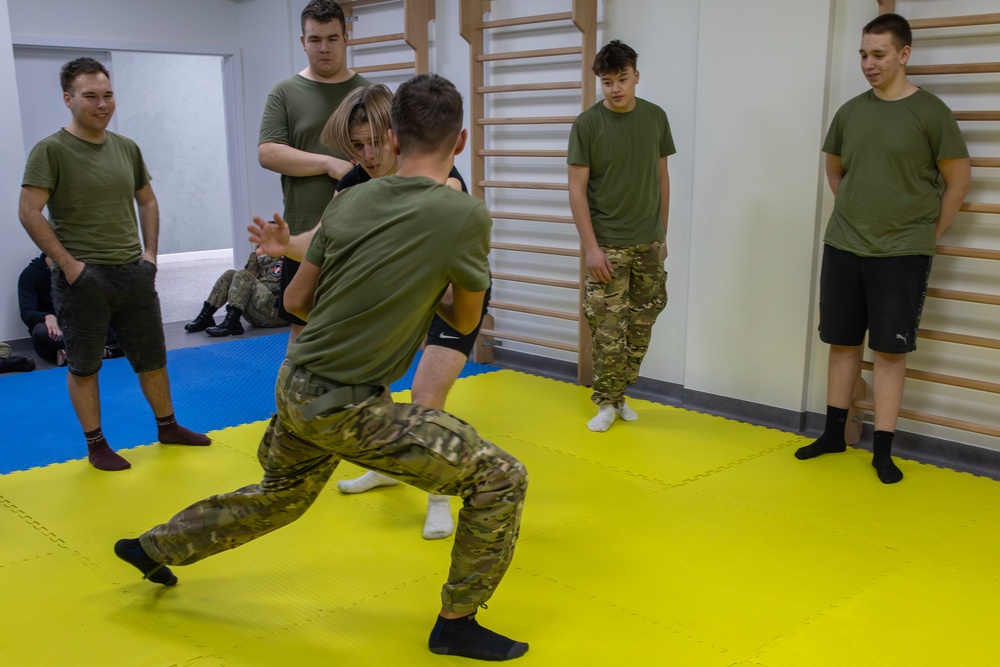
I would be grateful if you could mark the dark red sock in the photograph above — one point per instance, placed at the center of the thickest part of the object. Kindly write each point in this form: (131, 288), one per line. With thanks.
(100, 454)
(169, 432)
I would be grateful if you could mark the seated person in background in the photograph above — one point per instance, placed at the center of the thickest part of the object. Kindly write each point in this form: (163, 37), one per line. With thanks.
(251, 292)
(34, 297)
(12, 362)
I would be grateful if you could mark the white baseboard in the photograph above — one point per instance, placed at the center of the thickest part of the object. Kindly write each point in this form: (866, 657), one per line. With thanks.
(222, 253)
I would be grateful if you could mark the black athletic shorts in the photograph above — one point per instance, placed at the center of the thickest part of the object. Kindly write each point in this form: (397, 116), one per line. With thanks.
(288, 269)
(884, 295)
(443, 335)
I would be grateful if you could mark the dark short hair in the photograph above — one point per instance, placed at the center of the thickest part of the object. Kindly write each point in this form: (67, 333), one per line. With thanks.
(615, 57)
(895, 25)
(324, 11)
(75, 68)
(426, 114)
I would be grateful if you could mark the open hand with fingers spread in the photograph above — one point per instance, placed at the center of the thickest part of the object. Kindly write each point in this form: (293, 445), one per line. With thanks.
(271, 235)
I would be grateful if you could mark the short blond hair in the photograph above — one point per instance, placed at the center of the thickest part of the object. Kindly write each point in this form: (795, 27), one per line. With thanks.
(371, 106)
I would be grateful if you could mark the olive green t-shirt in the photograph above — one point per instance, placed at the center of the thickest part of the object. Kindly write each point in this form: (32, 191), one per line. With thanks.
(92, 200)
(623, 152)
(890, 197)
(295, 113)
(387, 249)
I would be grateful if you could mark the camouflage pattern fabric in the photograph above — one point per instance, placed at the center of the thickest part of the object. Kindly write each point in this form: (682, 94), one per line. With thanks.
(4, 350)
(621, 314)
(429, 449)
(254, 290)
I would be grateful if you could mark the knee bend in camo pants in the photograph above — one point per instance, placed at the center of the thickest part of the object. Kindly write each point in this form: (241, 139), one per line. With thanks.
(429, 449)
(621, 314)
(245, 291)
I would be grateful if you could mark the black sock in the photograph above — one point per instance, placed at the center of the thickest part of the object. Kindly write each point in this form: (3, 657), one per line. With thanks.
(465, 637)
(166, 421)
(100, 454)
(131, 552)
(832, 440)
(882, 459)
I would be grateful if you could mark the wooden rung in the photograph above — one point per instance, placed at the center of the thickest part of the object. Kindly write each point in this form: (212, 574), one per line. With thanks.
(954, 21)
(534, 280)
(534, 53)
(531, 310)
(961, 339)
(977, 115)
(974, 207)
(522, 185)
(525, 20)
(535, 120)
(500, 153)
(971, 297)
(556, 85)
(377, 39)
(962, 425)
(388, 67)
(962, 68)
(527, 339)
(973, 253)
(351, 4)
(544, 250)
(531, 217)
(950, 380)
(985, 162)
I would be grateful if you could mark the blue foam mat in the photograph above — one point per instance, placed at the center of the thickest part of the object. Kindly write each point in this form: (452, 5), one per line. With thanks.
(214, 386)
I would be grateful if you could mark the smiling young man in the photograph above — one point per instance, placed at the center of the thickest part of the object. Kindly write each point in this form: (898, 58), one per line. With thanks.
(619, 193)
(899, 168)
(91, 181)
(296, 112)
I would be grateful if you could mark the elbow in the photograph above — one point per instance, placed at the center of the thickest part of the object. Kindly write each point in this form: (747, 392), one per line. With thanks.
(264, 155)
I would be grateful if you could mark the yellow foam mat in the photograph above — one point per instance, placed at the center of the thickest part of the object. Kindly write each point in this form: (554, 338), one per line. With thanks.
(680, 539)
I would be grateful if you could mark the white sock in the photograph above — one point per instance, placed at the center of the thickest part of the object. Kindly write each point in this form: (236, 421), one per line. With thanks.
(439, 523)
(626, 413)
(369, 480)
(602, 422)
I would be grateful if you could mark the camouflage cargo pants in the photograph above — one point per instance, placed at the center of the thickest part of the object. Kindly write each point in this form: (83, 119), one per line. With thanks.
(621, 314)
(429, 449)
(244, 291)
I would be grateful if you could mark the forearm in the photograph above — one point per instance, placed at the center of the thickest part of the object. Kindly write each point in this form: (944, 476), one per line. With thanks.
(584, 224)
(41, 233)
(951, 203)
(298, 245)
(664, 202)
(294, 162)
(149, 222)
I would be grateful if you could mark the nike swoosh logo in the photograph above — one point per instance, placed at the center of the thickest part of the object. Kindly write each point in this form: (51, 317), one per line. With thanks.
(449, 337)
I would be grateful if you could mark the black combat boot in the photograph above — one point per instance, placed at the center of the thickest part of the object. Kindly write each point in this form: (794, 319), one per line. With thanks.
(230, 326)
(204, 319)
(16, 364)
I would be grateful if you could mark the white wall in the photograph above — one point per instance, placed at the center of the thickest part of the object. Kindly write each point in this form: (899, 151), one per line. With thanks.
(16, 247)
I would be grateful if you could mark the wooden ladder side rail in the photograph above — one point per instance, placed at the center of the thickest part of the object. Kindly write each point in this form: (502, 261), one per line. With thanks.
(958, 68)
(523, 185)
(540, 249)
(989, 162)
(972, 253)
(955, 21)
(531, 310)
(351, 4)
(387, 67)
(531, 217)
(531, 87)
(960, 339)
(520, 153)
(525, 20)
(585, 19)
(527, 120)
(417, 15)
(886, 6)
(377, 39)
(530, 53)
(471, 14)
(534, 280)
(960, 424)
(974, 207)
(491, 333)
(950, 380)
(968, 297)
(977, 115)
